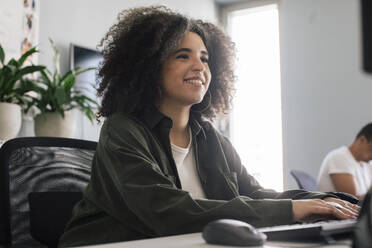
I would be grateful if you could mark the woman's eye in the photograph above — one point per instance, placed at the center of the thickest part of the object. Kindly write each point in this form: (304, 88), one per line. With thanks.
(204, 60)
(182, 56)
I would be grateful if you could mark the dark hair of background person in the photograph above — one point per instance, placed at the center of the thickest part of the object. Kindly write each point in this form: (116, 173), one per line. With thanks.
(366, 131)
(135, 48)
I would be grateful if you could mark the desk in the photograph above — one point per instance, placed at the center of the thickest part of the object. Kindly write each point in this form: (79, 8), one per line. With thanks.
(195, 240)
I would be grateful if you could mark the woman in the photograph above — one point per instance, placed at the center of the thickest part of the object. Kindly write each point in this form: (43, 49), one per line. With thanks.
(160, 168)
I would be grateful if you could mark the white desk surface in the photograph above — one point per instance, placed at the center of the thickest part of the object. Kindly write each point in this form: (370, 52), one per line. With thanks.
(195, 240)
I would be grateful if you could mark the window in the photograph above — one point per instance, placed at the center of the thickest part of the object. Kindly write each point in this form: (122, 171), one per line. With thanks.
(256, 122)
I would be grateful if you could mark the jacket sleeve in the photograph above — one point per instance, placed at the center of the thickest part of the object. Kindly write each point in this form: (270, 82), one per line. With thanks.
(249, 186)
(127, 176)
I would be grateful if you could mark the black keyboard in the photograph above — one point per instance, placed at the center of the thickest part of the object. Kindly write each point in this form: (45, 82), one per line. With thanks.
(328, 231)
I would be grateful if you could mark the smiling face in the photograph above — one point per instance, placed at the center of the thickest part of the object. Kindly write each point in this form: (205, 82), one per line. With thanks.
(186, 74)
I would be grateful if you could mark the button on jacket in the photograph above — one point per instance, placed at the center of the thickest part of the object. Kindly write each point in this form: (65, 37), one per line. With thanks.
(135, 191)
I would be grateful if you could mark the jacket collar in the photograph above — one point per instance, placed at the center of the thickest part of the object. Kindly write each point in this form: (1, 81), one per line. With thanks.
(153, 117)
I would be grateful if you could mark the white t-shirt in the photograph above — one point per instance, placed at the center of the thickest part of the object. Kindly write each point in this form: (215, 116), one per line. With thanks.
(186, 167)
(342, 161)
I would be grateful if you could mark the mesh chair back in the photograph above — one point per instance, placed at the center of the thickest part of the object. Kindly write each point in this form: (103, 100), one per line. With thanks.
(304, 180)
(37, 164)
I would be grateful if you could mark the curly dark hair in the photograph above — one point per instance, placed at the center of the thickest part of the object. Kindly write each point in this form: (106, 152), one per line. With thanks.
(135, 48)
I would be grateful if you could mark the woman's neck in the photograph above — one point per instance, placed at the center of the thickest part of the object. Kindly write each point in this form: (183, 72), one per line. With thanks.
(179, 133)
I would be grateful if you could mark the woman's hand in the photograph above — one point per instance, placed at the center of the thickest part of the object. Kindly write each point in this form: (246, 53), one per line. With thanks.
(328, 208)
(345, 204)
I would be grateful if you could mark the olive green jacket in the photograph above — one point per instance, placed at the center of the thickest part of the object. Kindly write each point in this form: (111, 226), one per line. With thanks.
(135, 191)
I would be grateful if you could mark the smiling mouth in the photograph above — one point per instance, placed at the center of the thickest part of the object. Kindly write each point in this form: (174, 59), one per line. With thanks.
(193, 81)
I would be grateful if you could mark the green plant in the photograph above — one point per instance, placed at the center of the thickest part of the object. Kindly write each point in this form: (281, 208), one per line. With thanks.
(13, 83)
(56, 93)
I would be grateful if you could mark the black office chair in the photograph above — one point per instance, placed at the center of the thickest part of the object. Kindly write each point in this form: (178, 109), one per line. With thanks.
(304, 180)
(41, 179)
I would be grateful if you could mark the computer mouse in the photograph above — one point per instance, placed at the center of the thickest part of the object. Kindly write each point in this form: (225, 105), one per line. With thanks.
(233, 233)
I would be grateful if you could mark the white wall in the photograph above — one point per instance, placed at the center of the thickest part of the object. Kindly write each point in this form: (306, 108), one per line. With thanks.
(326, 96)
(85, 22)
(11, 27)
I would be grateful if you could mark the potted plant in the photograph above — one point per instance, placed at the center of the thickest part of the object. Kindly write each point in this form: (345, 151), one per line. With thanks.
(13, 88)
(56, 97)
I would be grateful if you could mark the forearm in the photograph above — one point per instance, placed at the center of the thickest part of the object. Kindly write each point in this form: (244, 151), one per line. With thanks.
(344, 182)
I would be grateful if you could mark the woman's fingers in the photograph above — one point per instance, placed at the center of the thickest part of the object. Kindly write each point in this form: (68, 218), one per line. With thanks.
(340, 204)
(341, 212)
(352, 207)
(317, 209)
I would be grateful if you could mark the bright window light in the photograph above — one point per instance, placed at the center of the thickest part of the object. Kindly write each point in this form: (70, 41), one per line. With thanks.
(256, 121)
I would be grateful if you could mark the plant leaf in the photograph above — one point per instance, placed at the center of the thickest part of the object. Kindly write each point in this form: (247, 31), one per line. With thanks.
(60, 96)
(8, 72)
(67, 74)
(2, 55)
(14, 63)
(28, 70)
(23, 58)
(56, 57)
(68, 83)
(78, 71)
(46, 78)
(2, 77)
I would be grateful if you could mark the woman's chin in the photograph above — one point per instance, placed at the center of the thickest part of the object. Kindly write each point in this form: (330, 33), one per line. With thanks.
(196, 101)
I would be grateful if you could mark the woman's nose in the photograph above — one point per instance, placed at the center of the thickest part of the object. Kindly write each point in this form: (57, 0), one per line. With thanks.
(198, 65)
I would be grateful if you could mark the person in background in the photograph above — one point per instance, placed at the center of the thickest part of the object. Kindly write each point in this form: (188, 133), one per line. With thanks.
(348, 169)
(160, 167)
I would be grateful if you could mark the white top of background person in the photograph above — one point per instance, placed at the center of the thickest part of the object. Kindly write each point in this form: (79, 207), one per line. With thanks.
(349, 169)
